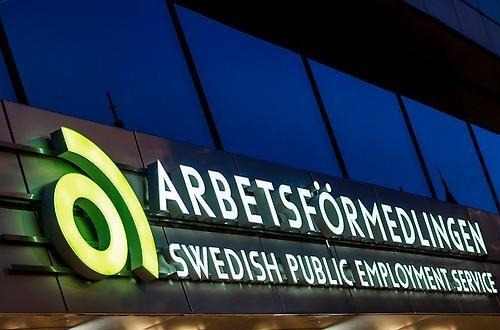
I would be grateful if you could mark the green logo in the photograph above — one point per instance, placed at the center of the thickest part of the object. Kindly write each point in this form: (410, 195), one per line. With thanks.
(111, 204)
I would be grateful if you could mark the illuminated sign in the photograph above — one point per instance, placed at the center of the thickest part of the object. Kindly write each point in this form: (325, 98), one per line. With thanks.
(213, 263)
(111, 204)
(185, 193)
(313, 211)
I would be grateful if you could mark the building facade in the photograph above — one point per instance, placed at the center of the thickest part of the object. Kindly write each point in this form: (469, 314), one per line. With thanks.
(286, 165)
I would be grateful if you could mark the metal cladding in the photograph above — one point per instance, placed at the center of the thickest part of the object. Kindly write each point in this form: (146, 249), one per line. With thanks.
(167, 227)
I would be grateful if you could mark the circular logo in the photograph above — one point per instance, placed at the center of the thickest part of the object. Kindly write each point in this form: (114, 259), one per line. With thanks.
(108, 200)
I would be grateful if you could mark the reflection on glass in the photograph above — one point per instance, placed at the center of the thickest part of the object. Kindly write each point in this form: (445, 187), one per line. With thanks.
(370, 130)
(259, 95)
(491, 8)
(444, 11)
(489, 143)
(472, 24)
(70, 54)
(493, 30)
(6, 91)
(450, 157)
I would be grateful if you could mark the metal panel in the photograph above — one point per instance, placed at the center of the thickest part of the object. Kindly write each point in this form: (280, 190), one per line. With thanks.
(424, 302)
(138, 183)
(309, 299)
(277, 174)
(12, 179)
(370, 300)
(173, 153)
(495, 270)
(351, 189)
(490, 227)
(445, 209)
(408, 202)
(474, 303)
(124, 295)
(216, 297)
(479, 304)
(430, 302)
(4, 129)
(32, 126)
(41, 171)
(127, 295)
(18, 222)
(20, 292)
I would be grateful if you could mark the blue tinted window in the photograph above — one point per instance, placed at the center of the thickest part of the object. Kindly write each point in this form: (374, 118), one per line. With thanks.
(472, 3)
(69, 53)
(447, 148)
(472, 23)
(444, 11)
(6, 91)
(489, 143)
(259, 95)
(417, 3)
(491, 8)
(370, 130)
(493, 30)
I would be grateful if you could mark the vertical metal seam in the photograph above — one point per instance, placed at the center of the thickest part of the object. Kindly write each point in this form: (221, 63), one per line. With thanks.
(138, 148)
(274, 287)
(37, 218)
(483, 165)
(324, 116)
(416, 146)
(10, 63)
(18, 157)
(57, 277)
(186, 296)
(194, 75)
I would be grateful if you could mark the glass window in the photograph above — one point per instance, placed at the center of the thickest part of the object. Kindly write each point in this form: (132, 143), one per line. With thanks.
(6, 90)
(491, 8)
(494, 34)
(489, 143)
(370, 130)
(443, 10)
(259, 95)
(417, 3)
(472, 24)
(472, 3)
(70, 53)
(450, 156)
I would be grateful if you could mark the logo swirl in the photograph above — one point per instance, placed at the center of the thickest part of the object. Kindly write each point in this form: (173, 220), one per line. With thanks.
(111, 204)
